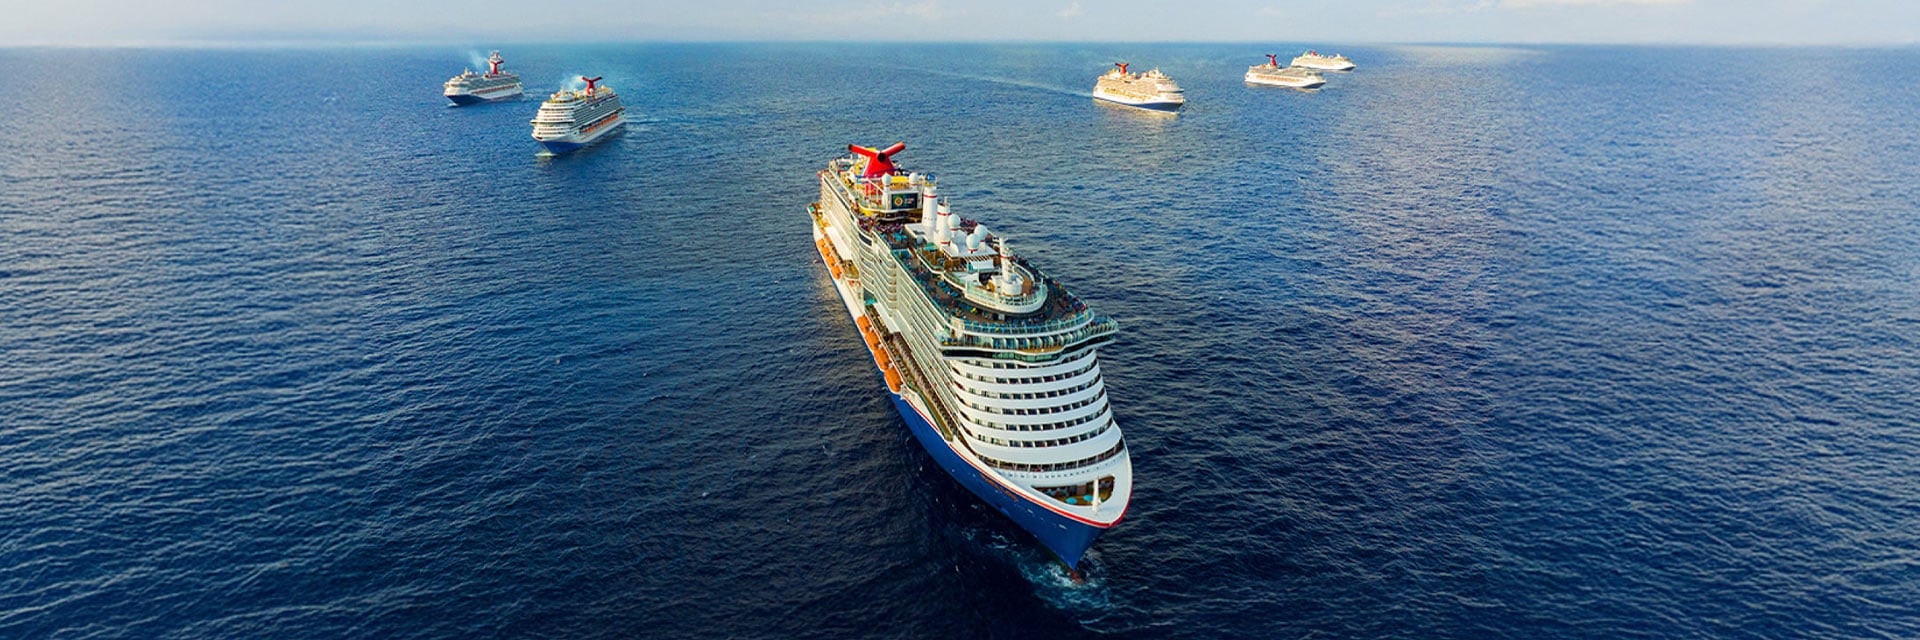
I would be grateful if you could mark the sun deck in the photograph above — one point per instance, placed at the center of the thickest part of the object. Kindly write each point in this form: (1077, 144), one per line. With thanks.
(924, 262)
(891, 197)
(990, 298)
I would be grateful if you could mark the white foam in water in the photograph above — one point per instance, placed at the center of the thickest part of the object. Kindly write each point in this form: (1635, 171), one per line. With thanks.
(1053, 584)
(1050, 579)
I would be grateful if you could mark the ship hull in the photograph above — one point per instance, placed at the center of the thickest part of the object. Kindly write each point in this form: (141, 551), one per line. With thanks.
(557, 146)
(1066, 537)
(464, 99)
(1165, 107)
(1283, 83)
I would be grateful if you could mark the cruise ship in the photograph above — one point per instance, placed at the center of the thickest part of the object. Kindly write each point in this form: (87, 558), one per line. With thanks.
(1272, 73)
(569, 119)
(1325, 62)
(993, 365)
(474, 88)
(1150, 90)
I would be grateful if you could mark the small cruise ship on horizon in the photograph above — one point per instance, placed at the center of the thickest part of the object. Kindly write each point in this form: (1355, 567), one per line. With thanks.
(1273, 74)
(1323, 62)
(475, 88)
(993, 365)
(1151, 90)
(570, 119)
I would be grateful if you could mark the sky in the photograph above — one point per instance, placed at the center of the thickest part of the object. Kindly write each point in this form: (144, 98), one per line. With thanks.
(1718, 22)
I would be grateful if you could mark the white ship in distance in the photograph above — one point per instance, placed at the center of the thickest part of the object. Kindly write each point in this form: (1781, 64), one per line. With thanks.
(570, 120)
(1151, 90)
(1273, 74)
(475, 88)
(1324, 62)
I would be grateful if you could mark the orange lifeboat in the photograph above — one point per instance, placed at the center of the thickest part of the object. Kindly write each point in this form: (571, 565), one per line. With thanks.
(826, 254)
(873, 341)
(880, 356)
(865, 324)
(893, 379)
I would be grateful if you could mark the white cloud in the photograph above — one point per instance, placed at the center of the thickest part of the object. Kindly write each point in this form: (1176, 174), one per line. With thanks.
(927, 11)
(1524, 4)
(1072, 10)
(1437, 7)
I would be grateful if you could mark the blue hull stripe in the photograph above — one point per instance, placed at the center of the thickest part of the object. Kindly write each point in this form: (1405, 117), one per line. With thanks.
(1065, 537)
(467, 99)
(1150, 106)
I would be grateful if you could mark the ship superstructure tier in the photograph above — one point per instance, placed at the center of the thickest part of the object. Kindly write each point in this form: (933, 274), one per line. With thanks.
(1323, 61)
(993, 365)
(1149, 90)
(572, 119)
(474, 88)
(1272, 73)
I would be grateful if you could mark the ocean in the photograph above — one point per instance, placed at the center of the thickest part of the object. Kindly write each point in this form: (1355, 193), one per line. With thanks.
(1475, 342)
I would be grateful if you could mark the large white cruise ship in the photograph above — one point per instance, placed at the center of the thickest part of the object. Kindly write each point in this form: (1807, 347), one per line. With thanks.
(1272, 73)
(993, 365)
(1150, 90)
(569, 120)
(1326, 62)
(474, 88)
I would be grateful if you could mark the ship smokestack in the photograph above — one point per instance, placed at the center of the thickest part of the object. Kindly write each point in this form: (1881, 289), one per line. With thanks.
(943, 227)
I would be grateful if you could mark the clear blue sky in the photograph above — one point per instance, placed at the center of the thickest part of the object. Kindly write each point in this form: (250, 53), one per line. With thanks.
(115, 22)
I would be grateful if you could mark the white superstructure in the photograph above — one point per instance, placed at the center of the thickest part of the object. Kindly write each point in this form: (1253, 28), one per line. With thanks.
(473, 88)
(1325, 62)
(1150, 90)
(569, 120)
(1273, 74)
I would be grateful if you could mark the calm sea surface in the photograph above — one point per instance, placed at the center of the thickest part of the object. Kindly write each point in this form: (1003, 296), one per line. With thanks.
(1473, 343)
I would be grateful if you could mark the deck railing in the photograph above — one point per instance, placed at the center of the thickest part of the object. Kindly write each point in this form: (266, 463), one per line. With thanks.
(1097, 326)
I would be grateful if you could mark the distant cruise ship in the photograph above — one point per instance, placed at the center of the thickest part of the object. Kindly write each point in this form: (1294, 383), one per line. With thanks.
(1150, 90)
(1317, 60)
(1273, 74)
(993, 365)
(569, 120)
(474, 88)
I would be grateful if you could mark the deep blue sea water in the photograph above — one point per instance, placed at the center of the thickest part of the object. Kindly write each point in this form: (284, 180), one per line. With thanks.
(1566, 342)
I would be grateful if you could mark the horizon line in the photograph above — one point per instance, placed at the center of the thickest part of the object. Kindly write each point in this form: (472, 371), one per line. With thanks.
(399, 42)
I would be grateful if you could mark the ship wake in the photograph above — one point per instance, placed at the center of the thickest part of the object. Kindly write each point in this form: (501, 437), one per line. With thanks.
(1002, 81)
(1084, 592)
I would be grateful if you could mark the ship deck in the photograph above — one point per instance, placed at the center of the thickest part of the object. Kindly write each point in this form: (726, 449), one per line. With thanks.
(1060, 311)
